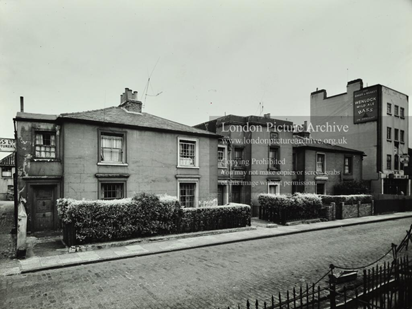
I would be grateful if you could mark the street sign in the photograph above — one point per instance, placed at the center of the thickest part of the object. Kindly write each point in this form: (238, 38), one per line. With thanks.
(7, 144)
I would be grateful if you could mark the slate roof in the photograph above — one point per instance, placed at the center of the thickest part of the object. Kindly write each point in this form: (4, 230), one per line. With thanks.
(7, 161)
(307, 142)
(118, 115)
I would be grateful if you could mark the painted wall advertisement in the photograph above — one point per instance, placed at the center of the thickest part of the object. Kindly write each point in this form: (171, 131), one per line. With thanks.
(365, 105)
(7, 145)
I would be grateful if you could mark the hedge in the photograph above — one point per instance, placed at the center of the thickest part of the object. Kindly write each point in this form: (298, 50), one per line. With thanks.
(214, 217)
(143, 215)
(283, 208)
(347, 199)
(102, 220)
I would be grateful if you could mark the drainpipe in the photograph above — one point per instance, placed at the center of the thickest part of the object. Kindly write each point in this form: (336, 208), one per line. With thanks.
(15, 181)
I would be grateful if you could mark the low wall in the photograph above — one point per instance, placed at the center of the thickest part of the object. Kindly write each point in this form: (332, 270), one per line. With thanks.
(344, 211)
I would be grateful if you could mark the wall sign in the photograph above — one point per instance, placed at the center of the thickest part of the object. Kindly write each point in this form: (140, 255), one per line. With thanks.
(365, 105)
(7, 145)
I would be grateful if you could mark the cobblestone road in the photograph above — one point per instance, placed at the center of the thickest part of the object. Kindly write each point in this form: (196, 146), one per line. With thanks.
(203, 278)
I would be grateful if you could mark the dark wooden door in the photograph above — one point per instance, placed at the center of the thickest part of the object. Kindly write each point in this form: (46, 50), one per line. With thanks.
(220, 192)
(236, 194)
(44, 207)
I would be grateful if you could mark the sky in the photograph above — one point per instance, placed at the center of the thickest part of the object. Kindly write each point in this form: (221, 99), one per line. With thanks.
(203, 58)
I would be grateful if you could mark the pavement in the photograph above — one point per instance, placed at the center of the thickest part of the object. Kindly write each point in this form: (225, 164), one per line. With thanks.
(48, 252)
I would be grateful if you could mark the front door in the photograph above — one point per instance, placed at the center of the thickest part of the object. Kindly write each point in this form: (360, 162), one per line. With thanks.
(236, 194)
(44, 204)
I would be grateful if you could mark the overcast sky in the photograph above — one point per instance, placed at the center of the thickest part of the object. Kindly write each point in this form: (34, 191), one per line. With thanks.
(205, 58)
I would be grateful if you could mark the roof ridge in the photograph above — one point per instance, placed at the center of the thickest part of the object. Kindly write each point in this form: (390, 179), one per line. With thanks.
(182, 124)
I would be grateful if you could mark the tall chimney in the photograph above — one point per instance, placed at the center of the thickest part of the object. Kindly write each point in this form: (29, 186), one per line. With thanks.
(128, 101)
(22, 104)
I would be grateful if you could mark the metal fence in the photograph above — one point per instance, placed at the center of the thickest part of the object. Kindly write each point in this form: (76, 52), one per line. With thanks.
(385, 286)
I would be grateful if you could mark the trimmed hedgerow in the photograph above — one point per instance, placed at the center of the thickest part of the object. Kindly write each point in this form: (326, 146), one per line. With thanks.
(214, 217)
(144, 214)
(347, 199)
(283, 208)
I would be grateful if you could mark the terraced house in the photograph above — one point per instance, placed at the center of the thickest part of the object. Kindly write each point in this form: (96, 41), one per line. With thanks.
(111, 153)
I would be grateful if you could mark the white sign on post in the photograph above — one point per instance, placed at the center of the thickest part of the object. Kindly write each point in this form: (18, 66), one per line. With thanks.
(7, 145)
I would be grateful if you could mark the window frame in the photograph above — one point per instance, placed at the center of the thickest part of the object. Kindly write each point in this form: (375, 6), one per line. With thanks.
(188, 139)
(109, 132)
(350, 165)
(324, 187)
(276, 184)
(9, 168)
(235, 160)
(102, 182)
(402, 113)
(396, 162)
(274, 167)
(402, 136)
(389, 162)
(56, 148)
(389, 109)
(396, 111)
(222, 164)
(196, 191)
(324, 163)
(388, 133)
(396, 135)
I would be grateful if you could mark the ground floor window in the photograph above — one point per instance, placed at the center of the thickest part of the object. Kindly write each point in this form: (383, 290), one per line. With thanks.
(6, 171)
(274, 188)
(320, 188)
(187, 194)
(111, 191)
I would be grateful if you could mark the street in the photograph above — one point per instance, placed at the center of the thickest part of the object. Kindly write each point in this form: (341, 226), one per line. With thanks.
(210, 277)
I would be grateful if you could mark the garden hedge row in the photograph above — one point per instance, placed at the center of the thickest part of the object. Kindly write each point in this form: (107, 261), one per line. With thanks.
(347, 199)
(283, 208)
(144, 215)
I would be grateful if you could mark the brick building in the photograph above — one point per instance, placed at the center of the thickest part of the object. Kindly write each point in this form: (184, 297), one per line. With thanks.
(319, 166)
(252, 157)
(378, 124)
(111, 153)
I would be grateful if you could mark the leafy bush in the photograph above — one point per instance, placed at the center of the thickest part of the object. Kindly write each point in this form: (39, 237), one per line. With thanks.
(214, 217)
(351, 187)
(143, 215)
(285, 208)
(347, 199)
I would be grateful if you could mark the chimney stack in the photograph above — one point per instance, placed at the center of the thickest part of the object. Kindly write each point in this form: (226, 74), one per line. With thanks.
(266, 115)
(22, 104)
(128, 101)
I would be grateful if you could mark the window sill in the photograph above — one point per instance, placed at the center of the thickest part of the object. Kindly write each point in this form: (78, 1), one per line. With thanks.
(389, 114)
(111, 164)
(397, 116)
(183, 166)
(389, 140)
(402, 117)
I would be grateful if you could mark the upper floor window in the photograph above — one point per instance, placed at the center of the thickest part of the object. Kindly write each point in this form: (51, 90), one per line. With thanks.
(274, 158)
(388, 161)
(6, 171)
(112, 147)
(45, 145)
(396, 111)
(402, 112)
(389, 108)
(188, 153)
(396, 167)
(221, 156)
(388, 133)
(348, 165)
(402, 136)
(238, 157)
(320, 163)
(396, 134)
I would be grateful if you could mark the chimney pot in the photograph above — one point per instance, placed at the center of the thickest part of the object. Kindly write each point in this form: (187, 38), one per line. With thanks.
(128, 101)
(22, 104)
